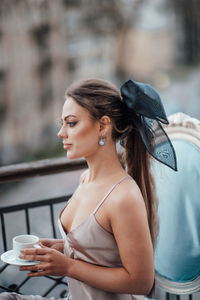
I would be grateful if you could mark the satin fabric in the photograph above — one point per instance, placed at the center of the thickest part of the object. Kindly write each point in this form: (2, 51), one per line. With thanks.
(91, 243)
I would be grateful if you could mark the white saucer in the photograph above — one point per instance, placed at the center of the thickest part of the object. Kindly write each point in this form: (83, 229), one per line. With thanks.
(9, 258)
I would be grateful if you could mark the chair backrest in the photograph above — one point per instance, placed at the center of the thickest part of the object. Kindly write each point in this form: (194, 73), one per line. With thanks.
(177, 255)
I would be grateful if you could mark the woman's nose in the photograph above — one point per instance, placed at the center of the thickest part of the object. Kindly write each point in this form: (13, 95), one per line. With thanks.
(61, 133)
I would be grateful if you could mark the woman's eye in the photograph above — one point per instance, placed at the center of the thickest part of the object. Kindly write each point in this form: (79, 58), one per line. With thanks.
(71, 124)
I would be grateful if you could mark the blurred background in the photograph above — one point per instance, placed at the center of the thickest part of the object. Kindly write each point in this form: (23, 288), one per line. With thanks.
(46, 45)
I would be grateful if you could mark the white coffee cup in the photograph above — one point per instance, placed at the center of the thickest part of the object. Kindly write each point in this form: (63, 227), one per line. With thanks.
(21, 242)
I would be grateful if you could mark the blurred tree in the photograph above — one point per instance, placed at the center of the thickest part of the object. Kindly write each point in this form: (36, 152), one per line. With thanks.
(188, 16)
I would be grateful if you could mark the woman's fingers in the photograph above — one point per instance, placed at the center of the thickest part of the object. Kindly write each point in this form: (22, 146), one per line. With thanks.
(36, 271)
(41, 254)
(52, 243)
(37, 274)
(39, 251)
(43, 245)
(44, 258)
(38, 267)
(36, 250)
(52, 262)
(46, 242)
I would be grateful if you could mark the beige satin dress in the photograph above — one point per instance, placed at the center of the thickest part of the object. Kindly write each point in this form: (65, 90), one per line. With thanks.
(91, 243)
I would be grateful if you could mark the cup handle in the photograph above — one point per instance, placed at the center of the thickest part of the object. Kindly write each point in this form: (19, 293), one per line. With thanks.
(36, 246)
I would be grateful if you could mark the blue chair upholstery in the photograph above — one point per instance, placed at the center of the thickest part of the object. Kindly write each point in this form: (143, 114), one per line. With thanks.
(177, 255)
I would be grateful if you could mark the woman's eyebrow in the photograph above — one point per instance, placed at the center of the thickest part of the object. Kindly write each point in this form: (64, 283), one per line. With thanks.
(65, 118)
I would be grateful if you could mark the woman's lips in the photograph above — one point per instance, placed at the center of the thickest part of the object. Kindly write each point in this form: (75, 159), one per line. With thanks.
(67, 146)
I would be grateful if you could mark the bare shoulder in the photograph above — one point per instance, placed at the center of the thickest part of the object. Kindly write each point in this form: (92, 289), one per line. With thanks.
(127, 197)
(127, 191)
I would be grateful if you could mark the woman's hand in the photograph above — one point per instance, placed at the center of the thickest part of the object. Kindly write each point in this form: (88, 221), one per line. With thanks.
(52, 262)
(53, 244)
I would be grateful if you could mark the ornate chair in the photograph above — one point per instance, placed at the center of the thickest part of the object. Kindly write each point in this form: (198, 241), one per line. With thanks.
(177, 255)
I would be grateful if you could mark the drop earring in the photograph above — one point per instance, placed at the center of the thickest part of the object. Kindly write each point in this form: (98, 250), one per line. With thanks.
(102, 140)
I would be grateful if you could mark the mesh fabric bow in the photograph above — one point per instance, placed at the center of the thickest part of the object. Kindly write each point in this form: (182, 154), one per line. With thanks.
(146, 112)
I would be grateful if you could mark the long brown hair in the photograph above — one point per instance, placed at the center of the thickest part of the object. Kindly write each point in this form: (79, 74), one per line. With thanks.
(101, 98)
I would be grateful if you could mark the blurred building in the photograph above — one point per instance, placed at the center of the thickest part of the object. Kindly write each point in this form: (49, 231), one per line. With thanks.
(45, 45)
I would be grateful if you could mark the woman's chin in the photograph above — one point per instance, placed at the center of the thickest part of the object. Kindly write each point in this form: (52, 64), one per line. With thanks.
(72, 156)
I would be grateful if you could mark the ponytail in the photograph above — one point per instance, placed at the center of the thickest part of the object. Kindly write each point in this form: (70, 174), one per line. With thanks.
(137, 160)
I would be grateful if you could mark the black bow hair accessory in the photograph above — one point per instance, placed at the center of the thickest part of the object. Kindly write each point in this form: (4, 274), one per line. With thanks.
(146, 111)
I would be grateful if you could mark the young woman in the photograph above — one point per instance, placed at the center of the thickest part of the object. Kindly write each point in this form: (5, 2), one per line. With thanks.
(109, 226)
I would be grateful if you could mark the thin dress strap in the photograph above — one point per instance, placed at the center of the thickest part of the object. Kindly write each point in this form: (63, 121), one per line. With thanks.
(112, 188)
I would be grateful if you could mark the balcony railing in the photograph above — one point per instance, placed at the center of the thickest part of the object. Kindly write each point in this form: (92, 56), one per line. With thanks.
(39, 168)
(56, 286)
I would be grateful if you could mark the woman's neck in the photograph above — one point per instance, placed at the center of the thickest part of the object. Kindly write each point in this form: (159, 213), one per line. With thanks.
(104, 164)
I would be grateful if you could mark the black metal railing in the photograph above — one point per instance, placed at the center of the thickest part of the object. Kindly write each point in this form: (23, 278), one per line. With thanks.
(16, 173)
(26, 208)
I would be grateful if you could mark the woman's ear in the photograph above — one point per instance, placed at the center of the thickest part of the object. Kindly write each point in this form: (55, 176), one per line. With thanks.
(105, 123)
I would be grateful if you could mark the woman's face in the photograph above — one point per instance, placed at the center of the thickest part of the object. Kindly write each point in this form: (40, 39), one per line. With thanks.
(79, 132)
